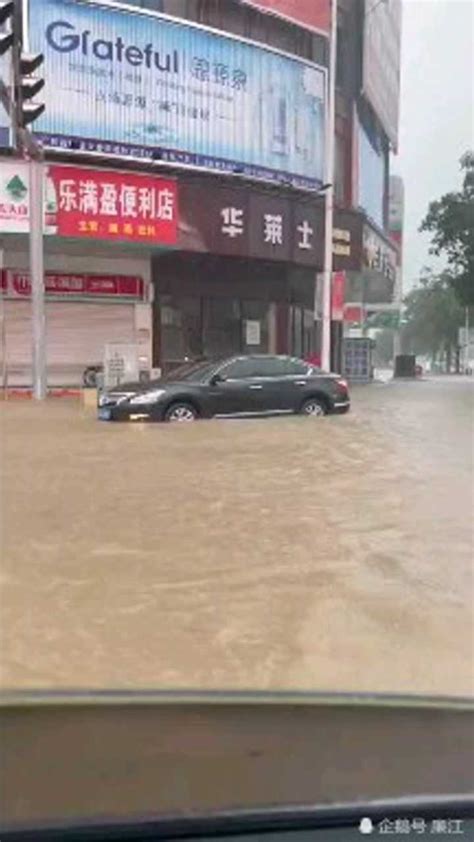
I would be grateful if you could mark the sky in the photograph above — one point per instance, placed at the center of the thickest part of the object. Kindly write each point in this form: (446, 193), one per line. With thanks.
(437, 113)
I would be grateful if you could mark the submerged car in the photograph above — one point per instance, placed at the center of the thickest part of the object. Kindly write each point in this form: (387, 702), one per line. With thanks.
(236, 386)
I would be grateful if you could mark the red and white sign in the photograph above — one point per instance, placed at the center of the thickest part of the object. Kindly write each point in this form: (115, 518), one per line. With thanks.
(337, 296)
(314, 14)
(97, 204)
(111, 205)
(17, 285)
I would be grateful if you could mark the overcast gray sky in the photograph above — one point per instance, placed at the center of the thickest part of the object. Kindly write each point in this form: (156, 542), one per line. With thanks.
(437, 114)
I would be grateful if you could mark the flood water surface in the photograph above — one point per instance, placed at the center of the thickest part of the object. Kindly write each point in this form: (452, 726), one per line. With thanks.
(298, 553)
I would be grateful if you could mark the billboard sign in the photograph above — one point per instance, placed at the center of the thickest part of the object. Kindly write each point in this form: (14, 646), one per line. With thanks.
(92, 203)
(139, 84)
(312, 14)
(381, 62)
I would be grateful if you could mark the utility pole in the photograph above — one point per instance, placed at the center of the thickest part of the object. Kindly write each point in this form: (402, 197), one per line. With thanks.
(329, 195)
(38, 315)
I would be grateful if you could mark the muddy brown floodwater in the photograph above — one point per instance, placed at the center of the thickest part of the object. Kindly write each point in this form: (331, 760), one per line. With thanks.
(329, 553)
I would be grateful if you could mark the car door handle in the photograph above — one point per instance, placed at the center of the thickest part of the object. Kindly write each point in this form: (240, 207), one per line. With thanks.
(256, 387)
(300, 382)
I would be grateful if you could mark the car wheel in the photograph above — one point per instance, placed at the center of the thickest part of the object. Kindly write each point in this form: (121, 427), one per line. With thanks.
(314, 406)
(180, 411)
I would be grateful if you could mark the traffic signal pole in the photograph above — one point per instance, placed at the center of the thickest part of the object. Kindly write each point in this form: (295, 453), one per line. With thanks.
(38, 315)
(24, 112)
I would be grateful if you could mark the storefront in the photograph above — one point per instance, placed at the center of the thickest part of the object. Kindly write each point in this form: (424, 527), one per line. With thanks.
(82, 312)
(101, 228)
(369, 260)
(243, 277)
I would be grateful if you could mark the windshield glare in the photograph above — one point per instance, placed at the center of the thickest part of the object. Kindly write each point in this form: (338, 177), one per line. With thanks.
(192, 372)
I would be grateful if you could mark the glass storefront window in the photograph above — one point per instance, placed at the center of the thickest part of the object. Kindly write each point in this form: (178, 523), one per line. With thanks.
(296, 330)
(309, 333)
(221, 327)
(302, 331)
(210, 328)
(180, 329)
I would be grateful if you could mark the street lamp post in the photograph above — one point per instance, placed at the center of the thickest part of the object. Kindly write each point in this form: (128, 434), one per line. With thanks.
(329, 195)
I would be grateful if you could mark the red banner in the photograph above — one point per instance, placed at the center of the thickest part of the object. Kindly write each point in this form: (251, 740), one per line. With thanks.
(111, 205)
(337, 296)
(17, 285)
(315, 14)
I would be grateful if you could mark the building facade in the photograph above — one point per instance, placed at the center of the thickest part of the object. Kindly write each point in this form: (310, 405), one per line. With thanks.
(185, 156)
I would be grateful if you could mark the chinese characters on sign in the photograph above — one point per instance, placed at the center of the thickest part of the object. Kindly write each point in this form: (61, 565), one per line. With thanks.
(111, 205)
(379, 255)
(341, 242)
(273, 228)
(250, 223)
(219, 72)
(17, 285)
(232, 221)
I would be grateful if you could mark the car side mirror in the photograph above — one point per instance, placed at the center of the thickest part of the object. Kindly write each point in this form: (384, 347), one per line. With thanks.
(216, 379)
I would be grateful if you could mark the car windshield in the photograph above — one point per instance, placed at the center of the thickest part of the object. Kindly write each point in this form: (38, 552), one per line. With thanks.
(192, 372)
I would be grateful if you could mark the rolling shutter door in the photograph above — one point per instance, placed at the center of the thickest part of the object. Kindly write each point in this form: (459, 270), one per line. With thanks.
(76, 333)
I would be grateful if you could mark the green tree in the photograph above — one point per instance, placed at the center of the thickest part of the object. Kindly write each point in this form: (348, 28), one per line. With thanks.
(450, 221)
(433, 315)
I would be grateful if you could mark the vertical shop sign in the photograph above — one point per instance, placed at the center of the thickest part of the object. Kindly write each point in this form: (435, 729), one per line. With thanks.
(337, 296)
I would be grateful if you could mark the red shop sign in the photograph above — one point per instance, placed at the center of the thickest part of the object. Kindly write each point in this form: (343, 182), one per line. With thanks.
(17, 285)
(110, 205)
(337, 296)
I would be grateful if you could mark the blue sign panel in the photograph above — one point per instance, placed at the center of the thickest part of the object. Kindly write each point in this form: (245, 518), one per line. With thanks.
(133, 83)
(5, 133)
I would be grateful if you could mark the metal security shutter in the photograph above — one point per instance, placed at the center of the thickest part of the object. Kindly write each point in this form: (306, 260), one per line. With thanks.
(75, 335)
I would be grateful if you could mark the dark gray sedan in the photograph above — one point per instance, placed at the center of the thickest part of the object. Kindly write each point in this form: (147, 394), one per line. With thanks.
(260, 384)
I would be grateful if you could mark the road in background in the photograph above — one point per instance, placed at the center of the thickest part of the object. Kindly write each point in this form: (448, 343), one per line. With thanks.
(275, 553)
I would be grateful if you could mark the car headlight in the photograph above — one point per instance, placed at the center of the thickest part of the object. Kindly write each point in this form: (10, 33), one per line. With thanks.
(147, 397)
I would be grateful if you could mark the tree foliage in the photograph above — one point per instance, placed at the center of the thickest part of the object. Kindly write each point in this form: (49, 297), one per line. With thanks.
(433, 314)
(450, 221)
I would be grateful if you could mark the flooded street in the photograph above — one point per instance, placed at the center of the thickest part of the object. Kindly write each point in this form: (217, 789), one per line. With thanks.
(329, 553)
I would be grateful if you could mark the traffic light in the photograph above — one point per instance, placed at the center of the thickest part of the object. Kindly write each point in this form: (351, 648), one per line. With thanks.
(28, 87)
(6, 16)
